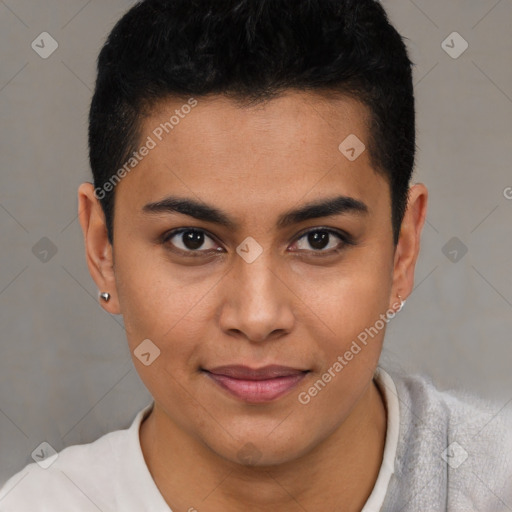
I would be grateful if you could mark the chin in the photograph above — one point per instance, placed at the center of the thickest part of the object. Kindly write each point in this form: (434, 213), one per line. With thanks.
(260, 452)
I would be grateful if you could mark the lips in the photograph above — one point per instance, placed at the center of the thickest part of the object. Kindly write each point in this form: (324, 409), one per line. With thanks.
(256, 385)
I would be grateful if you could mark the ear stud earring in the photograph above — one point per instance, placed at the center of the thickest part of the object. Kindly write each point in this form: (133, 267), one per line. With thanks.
(105, 296)
(402, 302)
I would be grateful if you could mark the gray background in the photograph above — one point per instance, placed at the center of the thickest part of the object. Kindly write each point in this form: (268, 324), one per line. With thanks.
(66, 376)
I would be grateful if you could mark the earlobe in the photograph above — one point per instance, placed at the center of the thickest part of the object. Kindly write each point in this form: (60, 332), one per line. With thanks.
(98, 250)
(408, 247)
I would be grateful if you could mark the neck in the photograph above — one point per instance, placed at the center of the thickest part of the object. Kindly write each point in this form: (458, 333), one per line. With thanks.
(342, 469)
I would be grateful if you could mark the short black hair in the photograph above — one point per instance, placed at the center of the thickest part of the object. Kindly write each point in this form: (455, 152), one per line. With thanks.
(252, 51)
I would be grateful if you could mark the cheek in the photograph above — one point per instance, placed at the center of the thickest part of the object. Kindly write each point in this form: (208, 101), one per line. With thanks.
(352, 309)
(347, 301)
(175, 314)
(155, 304)
(160, 311)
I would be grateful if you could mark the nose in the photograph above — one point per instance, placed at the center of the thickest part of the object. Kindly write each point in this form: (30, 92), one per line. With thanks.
(258, 304)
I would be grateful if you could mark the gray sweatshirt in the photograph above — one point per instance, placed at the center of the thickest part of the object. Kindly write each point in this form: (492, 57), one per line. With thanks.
(454, 451)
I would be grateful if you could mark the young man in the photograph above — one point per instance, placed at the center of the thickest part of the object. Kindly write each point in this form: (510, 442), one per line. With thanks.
(253, 221)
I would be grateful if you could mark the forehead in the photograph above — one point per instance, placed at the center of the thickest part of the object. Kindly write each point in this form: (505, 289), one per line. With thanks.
(284, 123)
(285, 149)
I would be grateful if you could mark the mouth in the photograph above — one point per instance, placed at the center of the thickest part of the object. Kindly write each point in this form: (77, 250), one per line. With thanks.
(256, 385)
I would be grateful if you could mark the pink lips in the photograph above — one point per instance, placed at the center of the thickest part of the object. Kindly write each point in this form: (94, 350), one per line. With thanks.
(256, 385)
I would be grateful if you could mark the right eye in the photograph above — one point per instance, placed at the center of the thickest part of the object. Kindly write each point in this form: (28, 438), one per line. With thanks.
(189, 241)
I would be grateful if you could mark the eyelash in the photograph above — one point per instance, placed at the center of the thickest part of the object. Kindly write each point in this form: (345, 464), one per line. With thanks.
(346, 240)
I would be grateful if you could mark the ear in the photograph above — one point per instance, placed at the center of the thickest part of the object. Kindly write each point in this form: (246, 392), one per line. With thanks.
(98, 250)
(408, 246)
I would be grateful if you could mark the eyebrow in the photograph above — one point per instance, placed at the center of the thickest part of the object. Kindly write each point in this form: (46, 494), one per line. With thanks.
(321, 208)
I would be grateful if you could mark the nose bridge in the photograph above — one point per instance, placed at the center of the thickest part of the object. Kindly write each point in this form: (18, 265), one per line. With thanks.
(255, 272)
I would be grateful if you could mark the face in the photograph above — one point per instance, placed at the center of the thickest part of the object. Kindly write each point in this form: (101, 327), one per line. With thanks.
(239, 281)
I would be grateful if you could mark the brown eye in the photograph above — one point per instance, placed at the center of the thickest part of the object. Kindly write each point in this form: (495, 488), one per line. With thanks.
(320, 239)
(190, 240)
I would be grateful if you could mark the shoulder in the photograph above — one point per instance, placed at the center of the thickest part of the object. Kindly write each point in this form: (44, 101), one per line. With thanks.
(461, 414)
(470, 440)
(77, 476)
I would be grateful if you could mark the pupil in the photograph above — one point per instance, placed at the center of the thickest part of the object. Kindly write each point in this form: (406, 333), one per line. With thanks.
(318, 239)
(193, 239)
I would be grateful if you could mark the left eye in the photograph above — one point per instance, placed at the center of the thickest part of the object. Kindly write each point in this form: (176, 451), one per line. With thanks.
(191, 240)
(319, 239)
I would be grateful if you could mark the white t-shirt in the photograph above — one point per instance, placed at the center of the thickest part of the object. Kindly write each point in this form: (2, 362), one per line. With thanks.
(110, 474)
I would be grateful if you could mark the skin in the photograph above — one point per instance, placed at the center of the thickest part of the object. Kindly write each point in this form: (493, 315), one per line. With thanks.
(287, 307)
